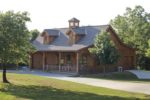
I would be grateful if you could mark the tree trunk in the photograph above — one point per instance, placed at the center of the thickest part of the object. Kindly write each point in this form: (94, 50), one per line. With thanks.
(4, 74)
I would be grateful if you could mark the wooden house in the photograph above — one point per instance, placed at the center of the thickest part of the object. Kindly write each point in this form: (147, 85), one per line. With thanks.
(66, 49)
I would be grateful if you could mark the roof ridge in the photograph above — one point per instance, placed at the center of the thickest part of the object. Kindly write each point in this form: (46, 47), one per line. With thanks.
(78, 27)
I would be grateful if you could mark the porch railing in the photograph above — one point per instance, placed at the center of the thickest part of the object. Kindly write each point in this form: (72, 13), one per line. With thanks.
(63, 68)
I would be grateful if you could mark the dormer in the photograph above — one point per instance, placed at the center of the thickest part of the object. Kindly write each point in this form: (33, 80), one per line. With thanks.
(73, 23)
(75, 35)
(49, 35)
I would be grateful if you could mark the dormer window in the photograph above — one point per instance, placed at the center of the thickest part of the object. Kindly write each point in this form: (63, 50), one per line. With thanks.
(76, 34)
(49, 36)
(45, 40)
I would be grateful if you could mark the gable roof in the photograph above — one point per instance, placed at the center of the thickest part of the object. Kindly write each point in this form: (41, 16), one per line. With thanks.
(112, 31)
(61, 43)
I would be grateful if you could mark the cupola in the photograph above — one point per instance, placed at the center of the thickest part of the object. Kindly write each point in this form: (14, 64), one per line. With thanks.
(73, 23)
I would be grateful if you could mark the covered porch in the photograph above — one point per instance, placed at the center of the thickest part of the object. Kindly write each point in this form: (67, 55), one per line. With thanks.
(59, 61)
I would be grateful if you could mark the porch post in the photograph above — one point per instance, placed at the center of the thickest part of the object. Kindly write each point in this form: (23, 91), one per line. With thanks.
(59, 60)
(77, 62)
(43, 61)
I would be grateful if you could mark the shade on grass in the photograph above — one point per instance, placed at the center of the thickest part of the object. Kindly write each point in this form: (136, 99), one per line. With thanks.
(24, 87)
(118, 76)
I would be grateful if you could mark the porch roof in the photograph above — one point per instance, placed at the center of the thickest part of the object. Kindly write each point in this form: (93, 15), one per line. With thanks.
(72, 48)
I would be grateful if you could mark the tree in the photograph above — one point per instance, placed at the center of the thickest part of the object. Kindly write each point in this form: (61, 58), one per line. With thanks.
(34, 34)
(134, 29)
(105, 51)
(14, 36)
(148, 50)
(147, 61)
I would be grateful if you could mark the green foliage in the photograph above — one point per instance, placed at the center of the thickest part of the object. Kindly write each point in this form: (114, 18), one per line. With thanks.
(104, 49)
(148, 50)
(34, 34)
(14, 36)
(134, 29)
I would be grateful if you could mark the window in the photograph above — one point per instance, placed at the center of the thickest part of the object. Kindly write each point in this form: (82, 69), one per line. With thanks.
(45, 40)
(83, 60)
(62, 61)
(48, 39)
(71, 24)
(76, 24)
(68, 58)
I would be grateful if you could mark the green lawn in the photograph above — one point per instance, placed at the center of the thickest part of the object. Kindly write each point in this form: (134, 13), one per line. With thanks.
(118, 76)
(29, 87)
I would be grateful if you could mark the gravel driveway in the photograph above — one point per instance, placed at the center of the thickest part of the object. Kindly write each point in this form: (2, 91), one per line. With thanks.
(119, 85)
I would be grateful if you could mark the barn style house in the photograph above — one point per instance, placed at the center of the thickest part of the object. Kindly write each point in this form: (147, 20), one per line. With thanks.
(66, 49)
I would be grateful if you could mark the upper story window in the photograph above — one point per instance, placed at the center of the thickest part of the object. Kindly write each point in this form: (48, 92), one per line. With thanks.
(48, 39)
(75, 35)
(45, 40)
(71, 24)
(76, 24)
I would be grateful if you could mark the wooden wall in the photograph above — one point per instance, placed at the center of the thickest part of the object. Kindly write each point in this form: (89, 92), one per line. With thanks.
(37, 60)
(127, 59)
(51, 58)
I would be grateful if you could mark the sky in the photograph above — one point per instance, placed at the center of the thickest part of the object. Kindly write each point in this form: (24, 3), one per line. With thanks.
(47, 14)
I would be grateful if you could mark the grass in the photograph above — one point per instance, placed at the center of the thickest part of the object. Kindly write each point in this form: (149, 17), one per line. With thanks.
(118, 76)
(29, 87)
